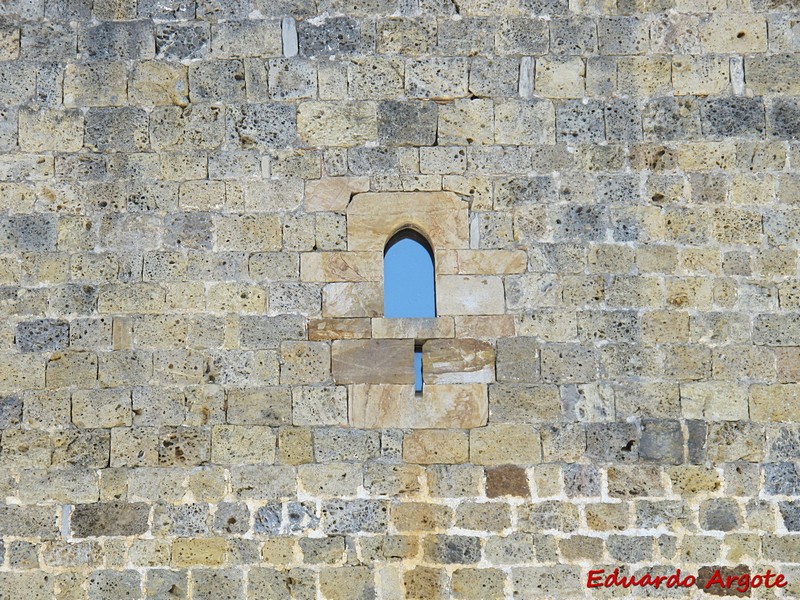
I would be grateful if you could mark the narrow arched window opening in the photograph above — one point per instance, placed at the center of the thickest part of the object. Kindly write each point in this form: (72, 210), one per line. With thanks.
(409, 284)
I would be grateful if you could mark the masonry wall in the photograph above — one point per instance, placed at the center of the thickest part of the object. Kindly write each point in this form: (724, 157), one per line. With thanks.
(198, 395)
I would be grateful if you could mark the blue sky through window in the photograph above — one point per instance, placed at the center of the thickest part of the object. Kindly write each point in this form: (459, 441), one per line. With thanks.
(408, 285)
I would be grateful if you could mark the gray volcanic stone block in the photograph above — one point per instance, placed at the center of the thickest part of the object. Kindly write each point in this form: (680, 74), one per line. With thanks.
(117, 130)
(783, 118)
(29, 521)
(737, 116)
(188, 230)
(34, 233)
(268, 519)
(126, 40)
(263, 126)
(42, 335)
(269, 332)
(177, 41)
(217, 584)
(581, 480)
(333, 36)
(781, 479)
(218, 81)
(577, 121)
(612, 442)
(114, 585)
(166, 10)
(790, 511)
(623, 120)
(720, 514)
(232, 517)
(166, 583)
(407, 123)
(10, 412)
(622, 35)
(581, 223)
(49, 41)
(351, 516)
(109, 518)
(671, 119)
(576, 35)
(662, 441)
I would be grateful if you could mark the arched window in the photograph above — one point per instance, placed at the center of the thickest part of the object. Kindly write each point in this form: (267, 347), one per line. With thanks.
(408, 284)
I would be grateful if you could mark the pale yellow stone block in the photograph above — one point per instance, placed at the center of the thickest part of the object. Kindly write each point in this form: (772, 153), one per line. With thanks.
(237, 298)
(713, 401)
(504, 443)
(156, 83)
(647, 76)
(469, 295)
(341, 266)
(481, 262)
(706, 156)
(700, 75)
(493, 326)
(380, 406)
(373, 218)
(757, 189)
(415, 328)
(192, 552)
(21, 371)
(466, 122)
(333, 193)
(338, 329)
(345, 123)
(734, 33)
(560, 77)
(352, 300)
(434, 446)
(775, 403)
(202, 195)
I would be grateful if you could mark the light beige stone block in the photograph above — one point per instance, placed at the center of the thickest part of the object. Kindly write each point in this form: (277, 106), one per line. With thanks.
(457, 361)
(713, 401)
(415, 328)
(345, 123)
(338, 329)
(352, 300)
(373, 361)
(560, 77)
(700, 75)
(373, 218)
(775, 403)
(50, 130)
(469, 295)
(191, 552)
(380, 406)
(493, 326)
(333, 193)
(481, 262)
(432, 446)
(734, 33)
(341, 266)
(156, 83)
(504, 443)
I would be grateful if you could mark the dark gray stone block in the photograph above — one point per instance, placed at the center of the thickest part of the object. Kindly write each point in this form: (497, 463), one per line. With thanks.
(267, 125)
(720, 514)
(182, 42)
(407, 123)
(733, 117)
(109, 518)
(351, 516)
(662, 441)
(333, 36)
(42, 335)
(578, 122)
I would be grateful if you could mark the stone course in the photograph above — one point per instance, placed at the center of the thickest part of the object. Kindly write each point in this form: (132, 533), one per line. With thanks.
(200, 395)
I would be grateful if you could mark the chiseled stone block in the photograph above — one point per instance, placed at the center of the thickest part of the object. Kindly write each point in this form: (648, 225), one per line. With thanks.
(505, 443)
(457, 361)
(341, 266)
(373, 361)
(470, 295)
(380, 406)
(333, 193)
(415, 328)
(436, 446)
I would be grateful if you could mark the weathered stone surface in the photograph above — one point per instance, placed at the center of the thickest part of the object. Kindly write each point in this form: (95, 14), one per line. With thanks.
(457, 361)
(372, 218)
(100, 519)
(373, 361)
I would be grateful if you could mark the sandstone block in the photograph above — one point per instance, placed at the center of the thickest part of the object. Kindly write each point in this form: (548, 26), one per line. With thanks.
(728, 34)
(437, 78)
(319, 406)
(774, 403)
(337, 123)
(50, 130)
(333, 193)
(373, 361)
(341, 266)
(457, 361)
(331, 480)
(191, 552)
(434, 446)
(102, 83)
(235, 444)
(502, 443)
(560, 77)
(470, 295)
(238, 39)
(416, 328)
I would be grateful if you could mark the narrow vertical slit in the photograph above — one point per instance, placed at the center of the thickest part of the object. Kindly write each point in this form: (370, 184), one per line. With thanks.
(418, 369)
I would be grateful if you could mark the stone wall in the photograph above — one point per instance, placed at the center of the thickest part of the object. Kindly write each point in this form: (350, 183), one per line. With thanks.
(199, 397)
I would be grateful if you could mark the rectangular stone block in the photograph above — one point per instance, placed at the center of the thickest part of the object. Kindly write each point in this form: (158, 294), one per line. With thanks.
(339, 329)
(100, 83)
(333, 193)
(481, 262)
(457, 361)
(505, 443)
(352, 300)
(436, 446)
(415, 328)
(738, 34)
(341, 266)
(373, 361)
(470, 295)
(239, 444)
(30, 521)
(50, 130)
(381, 406)
(337, 123)
(775, 403)
(109, 519)
(496, 326)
